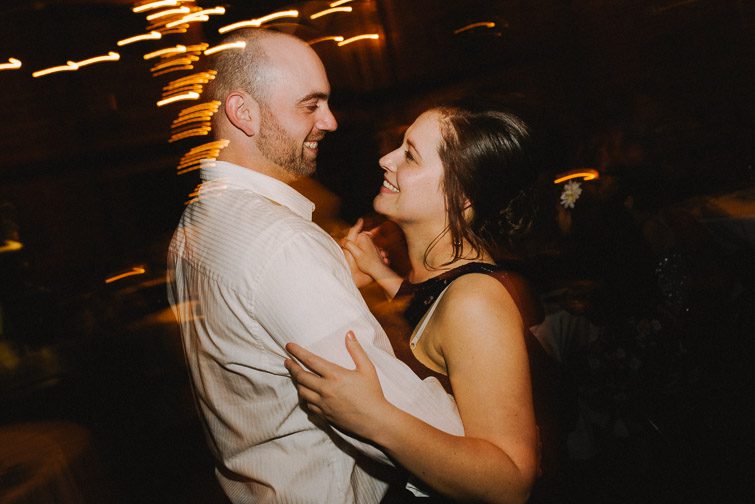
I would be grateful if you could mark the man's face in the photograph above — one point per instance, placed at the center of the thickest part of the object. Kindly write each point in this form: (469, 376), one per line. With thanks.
(283, 148)
(295, 115)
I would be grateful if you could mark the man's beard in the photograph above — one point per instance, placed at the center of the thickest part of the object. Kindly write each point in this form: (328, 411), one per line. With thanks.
(280, 148)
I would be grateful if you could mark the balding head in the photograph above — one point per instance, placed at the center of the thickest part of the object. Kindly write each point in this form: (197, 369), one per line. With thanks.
(274, 95)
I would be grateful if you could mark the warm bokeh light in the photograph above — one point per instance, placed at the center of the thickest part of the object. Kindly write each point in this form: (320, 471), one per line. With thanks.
(173, 62)
(11, 246)
(189, 18)
(482, 24)
(193, 121)
(256, 23)
(213, 11)
(191, 95)
(334, 38)
(164, 52)
(190, 160)
(154, 5)
(172, 69)
(582, 173)
(55, 69)
(223, 47)
(189, 80)
(193, 195)
(330, 11)
(367, 36)
(168, 12)
(137, 270)
(153, 35)
(13, 64)
(111, 56)
(339, 2)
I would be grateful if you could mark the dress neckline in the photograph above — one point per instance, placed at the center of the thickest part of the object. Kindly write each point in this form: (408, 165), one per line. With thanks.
(423, 294)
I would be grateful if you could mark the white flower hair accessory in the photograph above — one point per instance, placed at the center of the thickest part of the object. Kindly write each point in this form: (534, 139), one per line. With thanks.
(571, 193)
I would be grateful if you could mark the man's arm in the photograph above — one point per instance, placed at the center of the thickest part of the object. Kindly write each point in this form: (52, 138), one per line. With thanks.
(312, 301)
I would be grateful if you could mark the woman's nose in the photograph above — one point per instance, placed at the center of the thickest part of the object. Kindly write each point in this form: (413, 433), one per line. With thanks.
(387, 162)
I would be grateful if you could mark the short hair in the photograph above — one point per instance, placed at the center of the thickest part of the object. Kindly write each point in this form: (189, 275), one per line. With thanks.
(245, 69)
(487, 161)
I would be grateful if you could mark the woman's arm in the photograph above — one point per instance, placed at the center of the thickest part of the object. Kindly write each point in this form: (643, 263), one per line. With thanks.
(482, 342)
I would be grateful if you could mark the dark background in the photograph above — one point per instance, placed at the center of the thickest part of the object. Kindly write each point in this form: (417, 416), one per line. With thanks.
(88, 182)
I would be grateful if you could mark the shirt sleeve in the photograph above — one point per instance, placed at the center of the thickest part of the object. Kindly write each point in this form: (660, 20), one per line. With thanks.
(307, 296)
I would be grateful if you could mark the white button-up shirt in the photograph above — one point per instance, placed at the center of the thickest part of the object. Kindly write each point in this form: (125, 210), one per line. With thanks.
(249, 271)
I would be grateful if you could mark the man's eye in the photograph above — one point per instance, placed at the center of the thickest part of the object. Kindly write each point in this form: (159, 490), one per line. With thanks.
(312, 107)
(408, 156)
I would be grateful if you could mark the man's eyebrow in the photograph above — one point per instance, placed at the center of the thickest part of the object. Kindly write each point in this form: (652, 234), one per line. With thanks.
(413, 147)
(314, 96)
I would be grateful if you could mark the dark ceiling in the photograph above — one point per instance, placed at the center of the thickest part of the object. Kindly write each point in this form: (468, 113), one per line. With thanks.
(85, 153)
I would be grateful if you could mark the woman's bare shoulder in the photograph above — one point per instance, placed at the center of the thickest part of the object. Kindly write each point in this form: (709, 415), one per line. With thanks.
(474, 302)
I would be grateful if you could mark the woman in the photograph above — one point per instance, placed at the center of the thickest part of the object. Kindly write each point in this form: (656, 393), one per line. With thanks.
(454, 187)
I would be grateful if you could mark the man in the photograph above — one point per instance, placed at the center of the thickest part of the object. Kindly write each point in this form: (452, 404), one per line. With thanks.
(250, 272)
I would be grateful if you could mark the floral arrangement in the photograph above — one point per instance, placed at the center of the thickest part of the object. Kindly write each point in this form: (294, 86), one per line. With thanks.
(571, 193)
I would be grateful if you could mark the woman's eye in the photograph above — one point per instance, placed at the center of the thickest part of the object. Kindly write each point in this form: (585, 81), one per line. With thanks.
(408, 156)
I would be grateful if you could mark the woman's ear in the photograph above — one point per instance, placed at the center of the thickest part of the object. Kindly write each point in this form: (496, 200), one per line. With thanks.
(243, 112)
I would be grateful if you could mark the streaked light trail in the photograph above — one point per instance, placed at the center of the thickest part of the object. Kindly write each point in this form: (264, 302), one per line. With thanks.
(153, 35)
(483, 24)
(13, 64)
(368, 36)
(256, 23)
(330, 11)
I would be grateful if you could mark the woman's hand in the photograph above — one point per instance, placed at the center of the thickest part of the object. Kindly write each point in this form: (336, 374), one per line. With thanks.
(353, 400)
(369, 258)
(361, 277)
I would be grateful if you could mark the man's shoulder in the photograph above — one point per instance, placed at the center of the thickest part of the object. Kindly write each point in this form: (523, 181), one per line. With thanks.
(250, 224)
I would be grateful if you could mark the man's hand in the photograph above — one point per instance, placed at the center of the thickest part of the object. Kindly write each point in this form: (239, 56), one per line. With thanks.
(351, 399)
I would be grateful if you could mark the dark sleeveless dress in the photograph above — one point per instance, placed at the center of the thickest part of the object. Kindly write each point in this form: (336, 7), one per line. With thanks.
(554, 402)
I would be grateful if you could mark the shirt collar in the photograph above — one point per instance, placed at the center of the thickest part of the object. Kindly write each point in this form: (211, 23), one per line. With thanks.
(264, 185)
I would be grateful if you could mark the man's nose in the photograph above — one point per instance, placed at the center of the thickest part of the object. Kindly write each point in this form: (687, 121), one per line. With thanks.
(326, 121)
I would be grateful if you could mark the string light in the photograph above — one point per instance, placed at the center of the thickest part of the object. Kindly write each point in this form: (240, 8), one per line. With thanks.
(256, 23)
(55, 69)
(154, 5)
(223, 47)
(168, 12)
(13, 64)
(191, 95)
(335, 38)
(482, 24)
(163, 52)
(110, 56)
(368, 36)
(134, 271)
(153, 35)
(583, 173)
(330, 11)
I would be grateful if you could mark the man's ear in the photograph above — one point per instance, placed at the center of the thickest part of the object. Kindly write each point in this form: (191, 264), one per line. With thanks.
(243, 112)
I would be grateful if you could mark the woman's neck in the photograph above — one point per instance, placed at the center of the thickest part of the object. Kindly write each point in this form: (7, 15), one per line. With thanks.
(426, 264)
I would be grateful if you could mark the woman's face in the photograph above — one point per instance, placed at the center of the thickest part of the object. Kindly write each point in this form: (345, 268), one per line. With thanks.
(412, 190)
